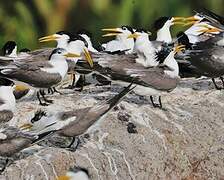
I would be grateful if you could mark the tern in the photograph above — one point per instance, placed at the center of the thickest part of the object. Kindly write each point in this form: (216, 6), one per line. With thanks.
(121, 43)
(7, 100)
(38, 73)
(76, 122)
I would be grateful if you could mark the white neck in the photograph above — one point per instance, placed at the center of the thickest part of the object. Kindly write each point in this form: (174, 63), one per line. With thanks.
(13, 53)
(128, 43)
(62, 44)
(6, 94)
(172, 63)
(60, 66)
(90, 45)
(164, 35)
(146, 52)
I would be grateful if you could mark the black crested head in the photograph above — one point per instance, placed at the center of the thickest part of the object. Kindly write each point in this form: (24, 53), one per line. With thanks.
(129, 28)
(76, 169)
(38, 115)
(84, 31)
(63, 32)
(57, 51)
(184, 40)
(25, 50)
(8, 47)
(141, 30)
(159, 23)
(78, 37)
(6, 82)
(163, 53)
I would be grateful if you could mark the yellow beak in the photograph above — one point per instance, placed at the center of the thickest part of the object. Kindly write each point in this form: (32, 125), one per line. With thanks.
(72, 55)
(179, 48)
(20, 88)
(63, 178)
(48, 38)
(26, 126)
(178, 20)
(111, 32)
(88, 57)
(209, 29)
(134, 36)
(191, 21)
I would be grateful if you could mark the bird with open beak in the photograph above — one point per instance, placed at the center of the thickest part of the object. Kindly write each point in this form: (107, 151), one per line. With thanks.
(121, 43)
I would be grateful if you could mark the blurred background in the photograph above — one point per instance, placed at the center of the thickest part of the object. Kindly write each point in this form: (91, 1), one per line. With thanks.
(26, 20)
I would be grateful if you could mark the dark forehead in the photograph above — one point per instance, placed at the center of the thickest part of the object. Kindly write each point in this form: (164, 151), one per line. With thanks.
(128, 27)
(159, 23)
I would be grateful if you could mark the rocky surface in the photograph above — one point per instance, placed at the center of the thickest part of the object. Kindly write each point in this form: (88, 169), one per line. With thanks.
(135, 141)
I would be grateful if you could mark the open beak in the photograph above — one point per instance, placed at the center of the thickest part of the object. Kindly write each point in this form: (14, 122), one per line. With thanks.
(191, 20)
(72, 55)
(88, 57)
(111, 32)
(179, 48)
(48, 38)
(26, 126)
(134, 36)
(178, 20)
(208, 29)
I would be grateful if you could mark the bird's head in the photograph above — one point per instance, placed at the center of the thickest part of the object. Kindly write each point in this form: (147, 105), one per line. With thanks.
(61, 37)
(10, 49)
(123, 31)
(75, 173)
(140, 34)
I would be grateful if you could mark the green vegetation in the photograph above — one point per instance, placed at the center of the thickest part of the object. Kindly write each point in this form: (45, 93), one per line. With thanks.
(26, 20)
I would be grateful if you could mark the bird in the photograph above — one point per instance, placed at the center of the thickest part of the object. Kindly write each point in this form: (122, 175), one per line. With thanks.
(149, 80)
(38, 73)
(72, 43)
(121, 43)
(162, 27)
(205, 53)
(144, 48)
(76, 173)
(10, 49)
(7, 100)
(75, 122)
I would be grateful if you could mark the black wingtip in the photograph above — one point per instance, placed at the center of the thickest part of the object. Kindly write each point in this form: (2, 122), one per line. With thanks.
(116, 99)
(43, 136)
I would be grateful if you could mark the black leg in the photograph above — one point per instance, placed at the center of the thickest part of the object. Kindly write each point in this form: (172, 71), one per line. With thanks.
(50, 91)
(56, 91)
(151, 98)
(40, 102)
(160, 103)
(72, 142)
(45, 99)
(222, 79)
(216, 86)
(80, 83)
(156, 105)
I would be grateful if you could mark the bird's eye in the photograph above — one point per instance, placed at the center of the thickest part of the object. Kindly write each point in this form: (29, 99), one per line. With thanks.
(59, 52)
(124, 28)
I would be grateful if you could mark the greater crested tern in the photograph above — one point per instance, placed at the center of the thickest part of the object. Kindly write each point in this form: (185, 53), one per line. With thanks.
(10, 49)
(150, 80)
(72, 43)
(38, 73)
(205, 52)
(75, 122)
(7, 100)
(162, 27)
(121, 43)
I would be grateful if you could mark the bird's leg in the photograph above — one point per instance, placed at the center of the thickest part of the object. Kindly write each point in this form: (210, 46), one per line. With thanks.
(222, 79)
(45, 99)
(80, 83)
(50, 91)
(156, 105)
(160, 103)
(56, 91)
(73, 140)
(73, 81)
(40, 102)
(216, 86)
